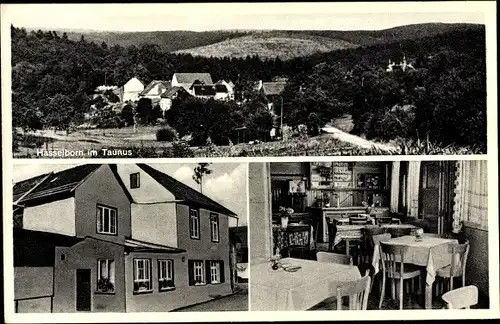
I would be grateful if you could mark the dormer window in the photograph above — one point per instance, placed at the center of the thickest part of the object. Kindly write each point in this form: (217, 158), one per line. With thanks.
(134, 181)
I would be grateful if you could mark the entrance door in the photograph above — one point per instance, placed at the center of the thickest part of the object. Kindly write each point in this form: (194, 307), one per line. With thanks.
(83, 294)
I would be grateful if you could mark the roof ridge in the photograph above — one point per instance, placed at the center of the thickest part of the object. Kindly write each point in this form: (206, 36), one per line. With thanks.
(150, 170)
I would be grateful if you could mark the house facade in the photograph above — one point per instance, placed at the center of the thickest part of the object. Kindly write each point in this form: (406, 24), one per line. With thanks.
(168, 96)
(127, 239)
(155, 89)
(186, 80)
(131, 90)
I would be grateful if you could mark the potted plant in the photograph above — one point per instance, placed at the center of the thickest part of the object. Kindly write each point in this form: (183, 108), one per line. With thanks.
(285, 215)
(105, 285)
(166, 283)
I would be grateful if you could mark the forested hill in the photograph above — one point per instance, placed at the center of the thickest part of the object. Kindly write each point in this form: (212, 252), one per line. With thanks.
(171, 41)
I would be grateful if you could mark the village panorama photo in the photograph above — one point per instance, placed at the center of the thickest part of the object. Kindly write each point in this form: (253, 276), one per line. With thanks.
(131, 81)
(129, 238)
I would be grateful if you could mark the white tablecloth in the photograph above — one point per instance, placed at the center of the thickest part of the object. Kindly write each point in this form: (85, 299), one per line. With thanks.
(278, 290)
(431, 252)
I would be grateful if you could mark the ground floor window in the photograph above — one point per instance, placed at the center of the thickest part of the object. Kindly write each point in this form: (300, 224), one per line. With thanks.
(215, 271)
(166, 274)
(196, 272)
(142, 275)
(106, 275)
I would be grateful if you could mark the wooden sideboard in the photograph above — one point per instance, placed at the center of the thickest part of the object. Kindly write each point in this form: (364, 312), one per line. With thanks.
(320, 216)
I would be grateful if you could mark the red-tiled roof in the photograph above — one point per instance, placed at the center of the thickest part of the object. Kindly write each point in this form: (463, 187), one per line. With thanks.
(184, 192)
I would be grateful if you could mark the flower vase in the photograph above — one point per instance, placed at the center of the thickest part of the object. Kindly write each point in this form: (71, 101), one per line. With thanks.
(284, 222)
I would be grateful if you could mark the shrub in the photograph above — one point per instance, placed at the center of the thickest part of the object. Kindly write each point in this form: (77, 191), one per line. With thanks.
(181, 149)
(166, 134)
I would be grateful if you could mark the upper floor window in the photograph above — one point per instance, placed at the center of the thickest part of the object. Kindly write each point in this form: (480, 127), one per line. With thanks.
(194, 223)
(106, 220)
(106, 276)
(135, 180)
(166, 274)
(142, 275)
(214, 227)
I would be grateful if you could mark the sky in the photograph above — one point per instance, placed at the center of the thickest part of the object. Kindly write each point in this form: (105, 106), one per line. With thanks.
(226, 185)
(218, 16)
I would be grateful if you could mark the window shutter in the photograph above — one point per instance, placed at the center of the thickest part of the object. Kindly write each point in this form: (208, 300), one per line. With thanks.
(191, 272)
(221, 266)
(208, 277)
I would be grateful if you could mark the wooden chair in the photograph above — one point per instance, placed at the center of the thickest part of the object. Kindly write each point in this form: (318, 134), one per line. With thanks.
(358, 220)
(381, 238)
(299, 239)
(332, 232)
(394, 268)
(461, 298)
(357, 291)
(334, 258)
(369, 232)
(459, 254)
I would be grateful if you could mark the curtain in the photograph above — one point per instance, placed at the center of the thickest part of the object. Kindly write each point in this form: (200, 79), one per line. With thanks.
(395, 187)
(471, 194)
(413, 187)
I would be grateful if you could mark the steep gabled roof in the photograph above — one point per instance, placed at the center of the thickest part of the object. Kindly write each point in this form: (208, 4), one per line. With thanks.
(23, 187)
(170, 93)
(273, 88)
(189, 78)
(154, 83)
(60, 184)
(184, 192)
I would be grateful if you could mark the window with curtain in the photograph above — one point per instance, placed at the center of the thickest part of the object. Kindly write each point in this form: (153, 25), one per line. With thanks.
(471, 194)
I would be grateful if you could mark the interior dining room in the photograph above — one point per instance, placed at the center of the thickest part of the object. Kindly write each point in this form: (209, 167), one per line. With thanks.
(369, 235)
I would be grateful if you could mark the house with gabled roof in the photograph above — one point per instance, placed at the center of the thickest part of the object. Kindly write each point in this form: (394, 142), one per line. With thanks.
(117, 238)
(186, 80)
(224, 90)
(155, 89)
(130, 91)
(168, 96)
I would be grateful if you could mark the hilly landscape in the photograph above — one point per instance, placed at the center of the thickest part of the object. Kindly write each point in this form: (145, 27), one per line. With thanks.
(285, 44)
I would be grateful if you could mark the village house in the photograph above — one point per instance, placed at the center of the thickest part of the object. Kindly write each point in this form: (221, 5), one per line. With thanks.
(272, 91)
(186, 80)
(168, 96)
(130, 91)
(155, 89)
(224, 90)
(108, 238)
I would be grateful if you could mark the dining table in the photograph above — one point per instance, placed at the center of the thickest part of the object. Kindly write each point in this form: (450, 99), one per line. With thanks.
(429, 252)
(313, 282)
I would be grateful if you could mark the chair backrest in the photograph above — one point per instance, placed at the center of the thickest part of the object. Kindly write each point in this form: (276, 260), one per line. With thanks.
(334, 258)
(357, 290)
(358, 220)
(459, 254)
(461, 298)
(391, 255)
(332, 229)
(381, 238)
